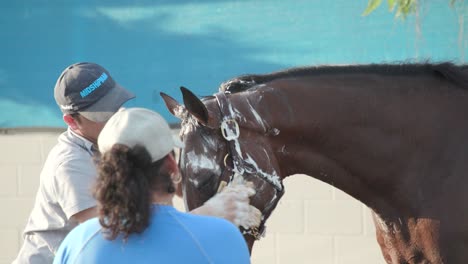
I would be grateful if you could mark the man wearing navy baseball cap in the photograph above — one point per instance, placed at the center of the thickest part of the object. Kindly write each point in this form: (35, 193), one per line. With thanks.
(87, 96)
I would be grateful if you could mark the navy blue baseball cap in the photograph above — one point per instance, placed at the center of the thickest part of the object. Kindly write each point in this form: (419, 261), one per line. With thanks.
(88, 89)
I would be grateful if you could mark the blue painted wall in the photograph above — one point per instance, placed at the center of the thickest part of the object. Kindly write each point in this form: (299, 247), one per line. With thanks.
(152, 46)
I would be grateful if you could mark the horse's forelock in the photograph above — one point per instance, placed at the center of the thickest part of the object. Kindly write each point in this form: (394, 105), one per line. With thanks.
(181, 112)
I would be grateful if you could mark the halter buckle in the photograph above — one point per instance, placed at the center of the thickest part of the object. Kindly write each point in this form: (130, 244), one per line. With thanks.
(230, 129)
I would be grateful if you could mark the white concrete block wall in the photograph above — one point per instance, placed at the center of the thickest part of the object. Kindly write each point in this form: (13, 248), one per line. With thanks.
(314, 222)
(21, 158)
(317, 223)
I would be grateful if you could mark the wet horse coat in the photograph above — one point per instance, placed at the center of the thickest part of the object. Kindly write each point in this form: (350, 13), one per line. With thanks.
(392, 136)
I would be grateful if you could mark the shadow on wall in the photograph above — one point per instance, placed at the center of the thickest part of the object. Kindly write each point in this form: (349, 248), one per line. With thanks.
(153, 46)
(131, 41)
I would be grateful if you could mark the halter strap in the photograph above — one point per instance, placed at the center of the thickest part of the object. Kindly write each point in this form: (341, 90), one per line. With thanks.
(231, 132)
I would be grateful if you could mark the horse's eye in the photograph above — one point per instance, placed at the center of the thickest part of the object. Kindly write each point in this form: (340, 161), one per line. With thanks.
(206, 184)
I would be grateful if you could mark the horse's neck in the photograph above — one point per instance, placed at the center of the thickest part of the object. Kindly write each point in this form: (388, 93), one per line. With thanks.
(359, 139)
(325, 135)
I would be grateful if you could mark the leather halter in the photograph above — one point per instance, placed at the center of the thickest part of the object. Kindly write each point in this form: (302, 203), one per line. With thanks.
(231, 132)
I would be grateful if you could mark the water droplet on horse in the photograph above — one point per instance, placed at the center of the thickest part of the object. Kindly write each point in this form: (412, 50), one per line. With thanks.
(274, 132)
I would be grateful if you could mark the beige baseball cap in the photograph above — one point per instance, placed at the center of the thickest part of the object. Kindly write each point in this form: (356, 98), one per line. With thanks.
(139, 126)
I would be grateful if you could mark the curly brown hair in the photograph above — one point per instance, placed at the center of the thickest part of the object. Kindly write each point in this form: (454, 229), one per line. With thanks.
(126, 180)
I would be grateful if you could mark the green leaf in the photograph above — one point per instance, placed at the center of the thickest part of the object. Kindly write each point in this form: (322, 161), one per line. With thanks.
(371, 6)
(405, 7)
(391, 5)
(402, 8)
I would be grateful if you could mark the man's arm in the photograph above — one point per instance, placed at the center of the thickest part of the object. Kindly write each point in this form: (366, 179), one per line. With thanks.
(84, 215)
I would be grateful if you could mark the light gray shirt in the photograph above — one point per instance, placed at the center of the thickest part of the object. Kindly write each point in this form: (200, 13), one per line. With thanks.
(64, 190)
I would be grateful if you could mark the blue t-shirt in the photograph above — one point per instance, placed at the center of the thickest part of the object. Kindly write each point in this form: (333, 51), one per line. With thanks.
(171, 237)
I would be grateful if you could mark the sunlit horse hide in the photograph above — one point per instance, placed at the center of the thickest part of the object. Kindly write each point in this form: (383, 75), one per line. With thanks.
(392, 136)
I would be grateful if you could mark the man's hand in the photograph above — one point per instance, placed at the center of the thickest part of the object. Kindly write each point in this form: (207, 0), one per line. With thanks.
(232, 203)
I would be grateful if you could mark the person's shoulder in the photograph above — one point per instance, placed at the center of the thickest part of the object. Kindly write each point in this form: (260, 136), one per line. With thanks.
(71, 152)
(68, 149)
(69, 141)
(222, 239)
(209, 224)
(83, 232)
(66, 159)
(197, 217)
(213, 223)
(89, 226)
(223, 226)
(76, 240)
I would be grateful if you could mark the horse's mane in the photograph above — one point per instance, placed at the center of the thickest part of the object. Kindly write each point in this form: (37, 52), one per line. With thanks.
(445, 70)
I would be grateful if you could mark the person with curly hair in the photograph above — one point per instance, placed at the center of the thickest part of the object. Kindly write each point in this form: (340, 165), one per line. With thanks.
(136, 218)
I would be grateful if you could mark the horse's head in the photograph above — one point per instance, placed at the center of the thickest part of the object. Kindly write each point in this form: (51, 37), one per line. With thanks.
(223, 138)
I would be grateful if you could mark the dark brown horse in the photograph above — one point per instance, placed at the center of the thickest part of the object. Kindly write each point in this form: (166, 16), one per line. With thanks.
(392, 136)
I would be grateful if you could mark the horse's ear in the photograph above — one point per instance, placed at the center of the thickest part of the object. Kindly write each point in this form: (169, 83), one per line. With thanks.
(171, 104)
(195, 106)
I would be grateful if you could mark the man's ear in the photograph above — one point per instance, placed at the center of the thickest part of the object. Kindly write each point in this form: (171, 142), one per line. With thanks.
(172, 164)
(70, 121)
